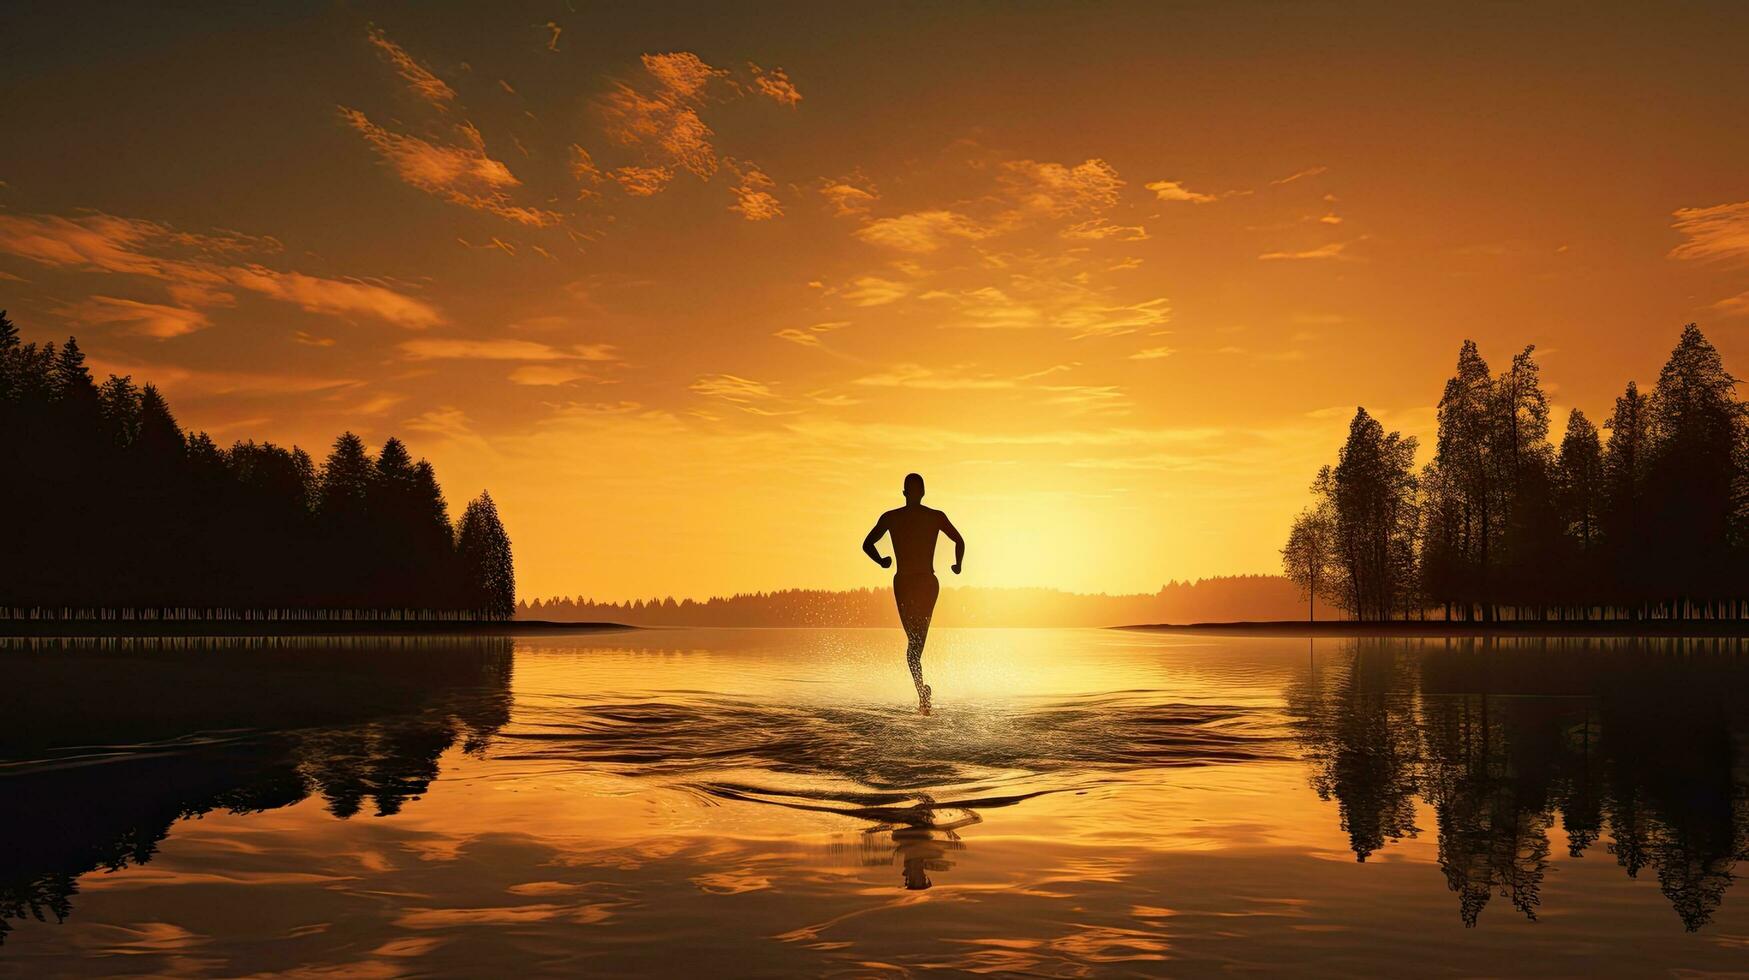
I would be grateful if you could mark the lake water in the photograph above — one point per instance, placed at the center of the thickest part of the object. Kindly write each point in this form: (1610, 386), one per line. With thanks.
(760, 802)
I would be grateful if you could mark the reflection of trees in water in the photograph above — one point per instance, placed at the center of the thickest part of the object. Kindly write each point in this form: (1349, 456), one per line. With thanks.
(1365, 755)
(1634, 737)
(233, 726)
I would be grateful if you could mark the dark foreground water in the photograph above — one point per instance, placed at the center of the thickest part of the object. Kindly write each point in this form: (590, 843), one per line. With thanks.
(759, 802)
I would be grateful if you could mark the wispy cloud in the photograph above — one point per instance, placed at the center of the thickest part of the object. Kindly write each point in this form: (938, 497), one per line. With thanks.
(446, 422)
(454, 167)
(335, 296)
(1297, 175)
(875, 291)
(1057, 190)
(850, 197)
(179, 380)
(1153, 353)
(584, 171)
(1075, 398)
(1717, 232)
(809, 336)
(144, 319)
(420, 81)
(661, 117)
(775, 85)
(547, 375)
(1099, 229)
(918, 376)
(1737, 305)
(1333, 250)
(920, 232)
(732, 388)
(196, 267)
(502, 349)
(1172, 190)
(460, 173)
(1043, 302)
(642, 181)
(753, 198)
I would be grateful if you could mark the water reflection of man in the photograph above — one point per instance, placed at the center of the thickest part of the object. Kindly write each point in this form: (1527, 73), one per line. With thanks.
(920, 850)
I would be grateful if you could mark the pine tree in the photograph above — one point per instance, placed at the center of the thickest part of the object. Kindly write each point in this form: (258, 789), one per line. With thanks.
(10, 362)
(344, 519)
(1462, 455)
(72, 379)
(1372, 496)
(120, 404)
(1580, 482)
(484, 552)
(346, 479)
(1626, 459)
(159, 435)
(1523, 463)
(1696, 428)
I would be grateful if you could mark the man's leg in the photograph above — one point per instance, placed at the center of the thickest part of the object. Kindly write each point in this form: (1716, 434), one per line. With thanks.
(914, 640)
(915, 595)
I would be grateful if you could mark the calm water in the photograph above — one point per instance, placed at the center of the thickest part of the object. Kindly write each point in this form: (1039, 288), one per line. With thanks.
(747, 802)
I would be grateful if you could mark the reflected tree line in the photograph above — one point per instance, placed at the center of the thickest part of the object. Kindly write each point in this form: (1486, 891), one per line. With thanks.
(361, 733)
(117, 513)
(1652, 523)
(1634, 743)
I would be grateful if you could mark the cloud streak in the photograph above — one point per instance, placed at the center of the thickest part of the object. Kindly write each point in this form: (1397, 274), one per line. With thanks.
(502, 349)
(775, 85)
(1299, 175)
(1332, 250)
(144, 319)
(1172, 190)
(420, 81)
(662, 119)
(753, 198)
(1715, 233)
(921, 232)
(124, 246)
(460, 173)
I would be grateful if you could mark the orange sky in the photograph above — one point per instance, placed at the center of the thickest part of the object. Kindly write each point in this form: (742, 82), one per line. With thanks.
(690, 291)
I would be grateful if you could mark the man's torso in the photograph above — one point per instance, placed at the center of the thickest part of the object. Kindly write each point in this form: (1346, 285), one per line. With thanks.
(913, 530)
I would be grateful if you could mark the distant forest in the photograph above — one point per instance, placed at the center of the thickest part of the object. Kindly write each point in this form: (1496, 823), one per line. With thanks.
(117, 513)
(1207, 600)
(1651, 524)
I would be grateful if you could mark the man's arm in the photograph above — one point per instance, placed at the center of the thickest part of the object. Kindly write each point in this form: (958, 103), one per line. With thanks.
(868, 543)
(959, 543)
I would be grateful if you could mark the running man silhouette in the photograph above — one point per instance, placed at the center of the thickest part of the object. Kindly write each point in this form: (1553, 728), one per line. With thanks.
(913, 528)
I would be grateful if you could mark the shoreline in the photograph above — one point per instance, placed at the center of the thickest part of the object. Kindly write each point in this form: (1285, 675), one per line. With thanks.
(1441, 628)
(42, 628)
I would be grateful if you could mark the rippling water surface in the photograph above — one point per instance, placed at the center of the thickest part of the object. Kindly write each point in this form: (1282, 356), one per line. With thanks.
(748, 802)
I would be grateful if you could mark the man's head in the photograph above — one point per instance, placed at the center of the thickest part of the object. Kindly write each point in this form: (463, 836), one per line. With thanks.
(913, 488)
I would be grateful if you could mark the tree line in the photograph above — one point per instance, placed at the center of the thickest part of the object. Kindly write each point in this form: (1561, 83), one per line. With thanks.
(1502, 524)
(115, 512)
(1217, 599)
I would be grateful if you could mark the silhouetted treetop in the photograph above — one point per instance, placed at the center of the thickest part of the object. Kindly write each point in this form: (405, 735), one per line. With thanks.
(116, 510)
(1653, 523)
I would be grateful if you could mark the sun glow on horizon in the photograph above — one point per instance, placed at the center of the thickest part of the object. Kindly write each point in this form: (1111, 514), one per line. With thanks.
(690, 310)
